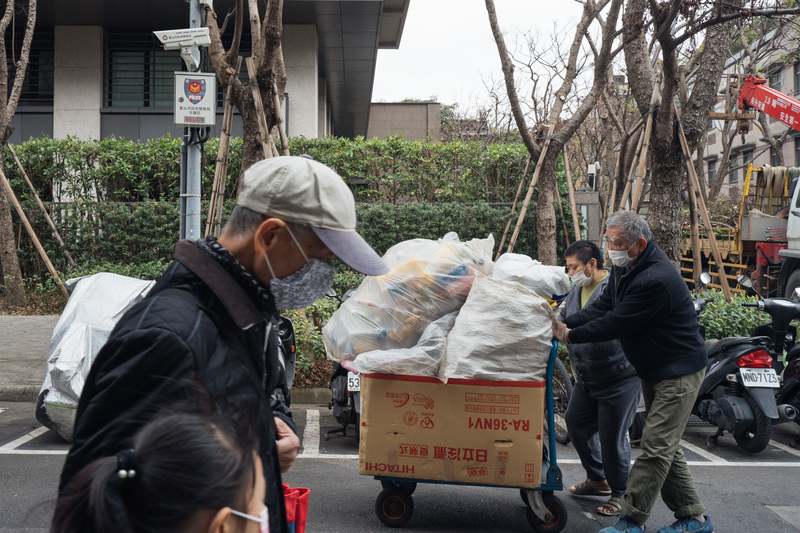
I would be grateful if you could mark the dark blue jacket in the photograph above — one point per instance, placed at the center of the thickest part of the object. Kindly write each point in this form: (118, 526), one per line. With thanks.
(648, 308)
(599, 363)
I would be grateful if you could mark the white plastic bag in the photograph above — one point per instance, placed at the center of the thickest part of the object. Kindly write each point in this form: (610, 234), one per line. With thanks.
(422, 359)
(547, 281)
(428, 280)
(502, 333)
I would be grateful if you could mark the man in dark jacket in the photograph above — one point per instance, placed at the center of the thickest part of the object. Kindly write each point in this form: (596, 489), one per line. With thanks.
(648, 306)
(211, 318)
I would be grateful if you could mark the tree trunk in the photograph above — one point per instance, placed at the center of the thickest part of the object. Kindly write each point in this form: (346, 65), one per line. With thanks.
(14, 294)
(545, 206)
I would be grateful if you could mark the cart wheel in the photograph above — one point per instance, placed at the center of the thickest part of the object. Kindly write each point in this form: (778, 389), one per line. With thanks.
(558, 519)
(394, 507)
(408, 487)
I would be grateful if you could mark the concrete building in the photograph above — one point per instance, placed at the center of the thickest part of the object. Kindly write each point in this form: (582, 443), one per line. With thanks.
(415, 121)
(96, 70)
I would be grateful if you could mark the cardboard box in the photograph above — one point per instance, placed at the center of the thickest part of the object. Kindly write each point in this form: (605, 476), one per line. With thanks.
(463, 431)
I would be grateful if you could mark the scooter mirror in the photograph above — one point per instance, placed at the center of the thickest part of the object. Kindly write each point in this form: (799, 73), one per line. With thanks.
(796, 295)
(744, 281)
(331, 293)
(705, 279)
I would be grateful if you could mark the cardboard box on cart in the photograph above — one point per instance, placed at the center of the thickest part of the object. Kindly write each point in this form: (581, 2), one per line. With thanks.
(463, 431)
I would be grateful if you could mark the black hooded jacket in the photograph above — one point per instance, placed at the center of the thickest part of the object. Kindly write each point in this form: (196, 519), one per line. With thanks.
(197, 323)
(648, 308)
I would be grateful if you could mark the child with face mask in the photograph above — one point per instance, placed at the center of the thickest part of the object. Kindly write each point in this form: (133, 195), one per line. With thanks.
(606, 391)
(183, 473)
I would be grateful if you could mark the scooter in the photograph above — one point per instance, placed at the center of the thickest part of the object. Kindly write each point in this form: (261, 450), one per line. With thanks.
(789, 391)
(738, 392)
(287, 357)
(345, 392)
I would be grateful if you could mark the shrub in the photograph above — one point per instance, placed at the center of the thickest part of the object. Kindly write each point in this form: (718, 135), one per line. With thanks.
(723, 319)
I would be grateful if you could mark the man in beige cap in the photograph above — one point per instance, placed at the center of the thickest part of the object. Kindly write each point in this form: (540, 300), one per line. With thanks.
(211, 318)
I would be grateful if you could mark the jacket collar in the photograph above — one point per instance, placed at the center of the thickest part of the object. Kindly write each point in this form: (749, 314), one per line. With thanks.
(233, 297)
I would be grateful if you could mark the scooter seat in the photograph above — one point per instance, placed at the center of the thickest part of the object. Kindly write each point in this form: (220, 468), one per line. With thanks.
(717, 345)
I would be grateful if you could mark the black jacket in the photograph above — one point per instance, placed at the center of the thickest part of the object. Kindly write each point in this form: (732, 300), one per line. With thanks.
(196, 323)
(596, 364)
(650, 309)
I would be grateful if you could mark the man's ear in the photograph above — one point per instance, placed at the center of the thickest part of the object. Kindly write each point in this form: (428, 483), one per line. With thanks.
(642, 242)
(219, 524)
(266, 233)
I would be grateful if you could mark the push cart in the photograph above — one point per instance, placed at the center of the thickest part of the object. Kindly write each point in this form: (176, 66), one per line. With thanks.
(546, 513)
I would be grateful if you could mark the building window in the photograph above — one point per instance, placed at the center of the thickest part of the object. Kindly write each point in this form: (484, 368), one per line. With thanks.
(797, 77)
(797, 151)
(712, 170)
(140, 73)
(747, 156)
(775, 79)
(734, 172)
(37, 89)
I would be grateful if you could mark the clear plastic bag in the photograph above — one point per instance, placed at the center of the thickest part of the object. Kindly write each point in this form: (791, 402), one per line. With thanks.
(429, 279)
(422, 359)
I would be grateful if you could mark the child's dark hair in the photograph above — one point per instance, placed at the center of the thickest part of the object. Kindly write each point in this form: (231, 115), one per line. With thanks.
(179, 464)
(585, 251)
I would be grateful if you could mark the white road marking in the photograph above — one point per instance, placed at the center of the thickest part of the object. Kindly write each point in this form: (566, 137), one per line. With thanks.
(34, 452)
(327, 456)
(789, 513)
(311, 433)
(25, 438)
(703, 453)
(3, 409)
(785, 448)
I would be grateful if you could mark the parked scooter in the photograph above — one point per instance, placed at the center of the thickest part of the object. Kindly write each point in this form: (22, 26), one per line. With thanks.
(738, 392)
(287, 356)
(345, 391)
(789, 392)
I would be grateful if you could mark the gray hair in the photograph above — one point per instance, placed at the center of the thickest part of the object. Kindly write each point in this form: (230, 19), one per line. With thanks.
(631, 226)
(244, 221)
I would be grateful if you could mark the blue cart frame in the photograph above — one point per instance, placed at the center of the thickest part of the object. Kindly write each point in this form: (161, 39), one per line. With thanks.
(546, 513)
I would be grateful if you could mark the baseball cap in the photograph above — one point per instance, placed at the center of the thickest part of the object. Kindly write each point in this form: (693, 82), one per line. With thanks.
(304, 191)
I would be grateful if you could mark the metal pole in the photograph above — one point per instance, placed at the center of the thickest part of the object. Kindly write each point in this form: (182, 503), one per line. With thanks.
(181, 201)
(190, 197)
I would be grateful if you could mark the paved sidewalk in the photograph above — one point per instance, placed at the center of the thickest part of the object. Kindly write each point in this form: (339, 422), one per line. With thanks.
(24, 343)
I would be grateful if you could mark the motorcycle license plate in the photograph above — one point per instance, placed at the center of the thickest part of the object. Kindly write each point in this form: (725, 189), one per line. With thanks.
(353, 382)
(759, 377)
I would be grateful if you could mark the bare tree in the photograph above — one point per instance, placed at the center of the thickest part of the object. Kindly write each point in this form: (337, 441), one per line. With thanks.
(14, 294)
(552, 107)
(690, 73)
(267, 53)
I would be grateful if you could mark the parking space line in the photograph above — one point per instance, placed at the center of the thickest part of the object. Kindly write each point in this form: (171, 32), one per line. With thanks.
(785, 448)
(3, 409)
(311, 433)
(33, 452)
(25, 438)
(703, 453)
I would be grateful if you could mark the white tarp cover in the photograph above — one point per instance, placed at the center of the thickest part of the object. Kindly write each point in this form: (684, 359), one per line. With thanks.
(502, 333)
(429, 279)
(95, 306)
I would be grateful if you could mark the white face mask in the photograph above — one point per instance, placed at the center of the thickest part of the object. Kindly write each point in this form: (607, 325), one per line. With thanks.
(580, 279)
(305, 286)
(620, 258)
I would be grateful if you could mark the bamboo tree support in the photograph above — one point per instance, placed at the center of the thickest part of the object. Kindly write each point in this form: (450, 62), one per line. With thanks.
(534, 179)
(34, 238)
(612, 190)
(723, 278)
(276, 102)
(214, 218)
(629, 180)
(259, 105)
(41, 206)
(648, 130)
(571, 190)
(513, 209)
(694, 231)
(563, 220)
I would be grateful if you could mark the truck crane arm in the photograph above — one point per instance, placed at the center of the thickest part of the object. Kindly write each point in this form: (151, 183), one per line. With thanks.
(757, 94)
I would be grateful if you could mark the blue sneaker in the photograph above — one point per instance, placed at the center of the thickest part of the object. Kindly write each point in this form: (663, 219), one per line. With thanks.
(625, 525)
(689, 525)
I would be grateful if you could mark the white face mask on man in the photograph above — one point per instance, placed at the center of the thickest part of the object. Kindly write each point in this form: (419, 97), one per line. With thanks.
(305, 286)
(620, 258)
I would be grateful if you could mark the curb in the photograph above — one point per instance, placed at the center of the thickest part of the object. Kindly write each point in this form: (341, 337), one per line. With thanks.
(19, 393)
(28, 393)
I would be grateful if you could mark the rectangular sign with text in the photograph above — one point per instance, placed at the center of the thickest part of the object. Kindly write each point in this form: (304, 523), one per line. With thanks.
(195, 99)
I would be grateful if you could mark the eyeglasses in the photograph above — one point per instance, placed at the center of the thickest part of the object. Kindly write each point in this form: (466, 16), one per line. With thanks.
(262, 519)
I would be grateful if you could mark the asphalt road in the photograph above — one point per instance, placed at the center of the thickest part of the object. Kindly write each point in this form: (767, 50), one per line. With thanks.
(743, 493)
